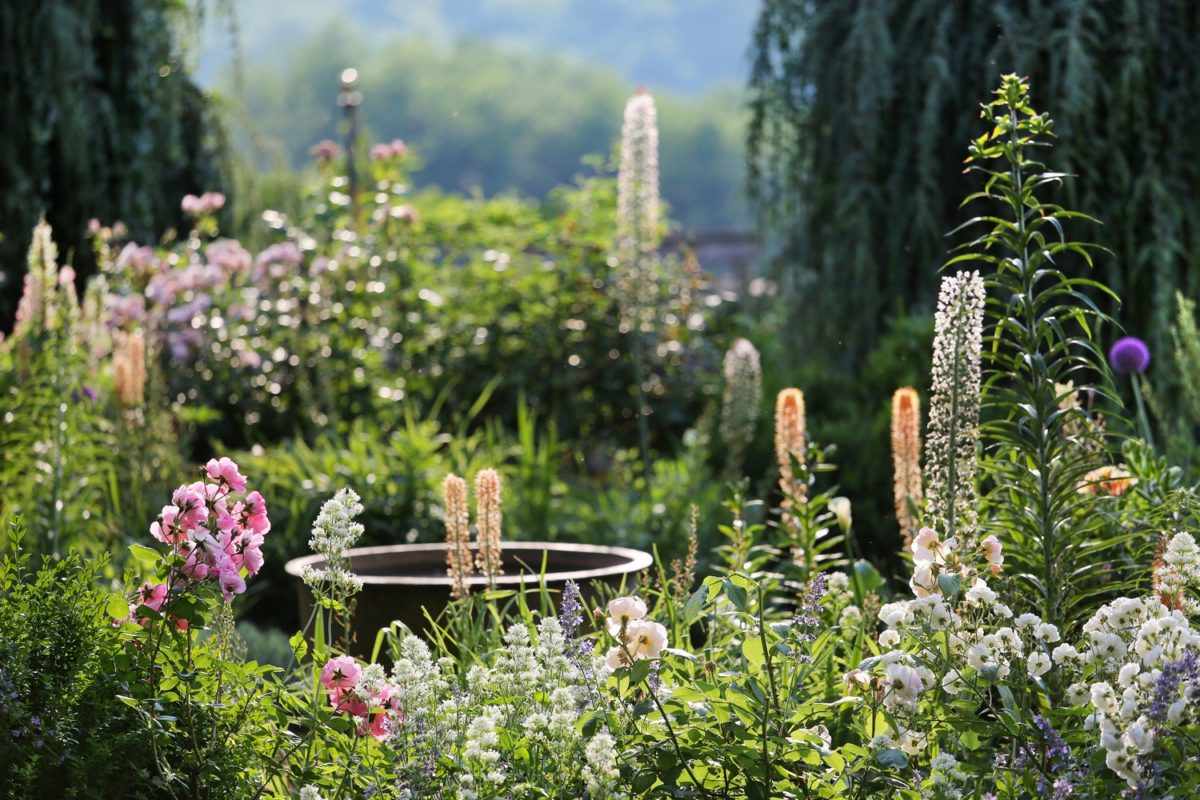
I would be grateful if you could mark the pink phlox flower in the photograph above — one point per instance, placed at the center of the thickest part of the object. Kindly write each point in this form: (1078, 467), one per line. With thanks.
(226, 470)
(192, 503)
(256, 514)
(231, 583)
(166, 529)
(252, 560)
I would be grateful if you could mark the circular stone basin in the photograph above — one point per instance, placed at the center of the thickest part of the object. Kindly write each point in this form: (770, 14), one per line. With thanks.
(402, 579)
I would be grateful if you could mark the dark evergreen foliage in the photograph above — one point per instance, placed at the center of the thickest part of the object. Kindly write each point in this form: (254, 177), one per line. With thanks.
(98, 118)
(857, 104)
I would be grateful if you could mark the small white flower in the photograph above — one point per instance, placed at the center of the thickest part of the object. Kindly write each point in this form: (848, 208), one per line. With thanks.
(624, 610)
(1047, 633)
(1128, 673)
(1028, 621)
(645, 639)
(889, 638)
(851, 617)
(903, 685)
(980, 592)
(952, 682)
(1065, 654)
(1104, 698)
(894, 614)
(1038, 664)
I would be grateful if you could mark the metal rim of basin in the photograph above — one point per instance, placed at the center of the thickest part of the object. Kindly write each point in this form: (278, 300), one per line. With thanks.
(634, 561)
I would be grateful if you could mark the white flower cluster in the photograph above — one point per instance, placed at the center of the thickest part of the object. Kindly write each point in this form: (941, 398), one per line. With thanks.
(334, 532)
(1128, 644)
(638, 638)
(531, 689)
(1180, 570)
(956, 624)
(600, 773)
(946, 778)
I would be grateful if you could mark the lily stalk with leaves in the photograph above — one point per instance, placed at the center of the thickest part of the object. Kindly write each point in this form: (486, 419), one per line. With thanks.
(1043, 324)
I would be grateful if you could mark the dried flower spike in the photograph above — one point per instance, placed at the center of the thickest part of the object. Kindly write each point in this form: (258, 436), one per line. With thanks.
(487, 522)
(906, 459)
(458, 534)
(741, 400)
(789, 444)
(129, 368)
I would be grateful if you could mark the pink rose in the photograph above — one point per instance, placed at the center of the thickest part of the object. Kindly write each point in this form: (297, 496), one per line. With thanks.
(342, 672)
(153, 595)
(224, 469)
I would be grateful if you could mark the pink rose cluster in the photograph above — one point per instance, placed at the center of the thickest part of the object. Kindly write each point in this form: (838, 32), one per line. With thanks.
(342, 676)
(219, 536)
(207, 203)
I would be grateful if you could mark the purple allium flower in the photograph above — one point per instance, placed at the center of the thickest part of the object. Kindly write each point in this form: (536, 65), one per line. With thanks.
(1129, 356)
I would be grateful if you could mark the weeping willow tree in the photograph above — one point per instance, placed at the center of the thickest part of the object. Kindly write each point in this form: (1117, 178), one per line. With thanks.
(98, 118)
(858, 112)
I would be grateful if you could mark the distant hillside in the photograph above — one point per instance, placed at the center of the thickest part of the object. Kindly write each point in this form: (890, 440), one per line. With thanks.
(487, 117)
(684, 46)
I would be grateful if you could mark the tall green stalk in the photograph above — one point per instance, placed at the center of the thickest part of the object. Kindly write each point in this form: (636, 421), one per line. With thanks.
(1043, 322)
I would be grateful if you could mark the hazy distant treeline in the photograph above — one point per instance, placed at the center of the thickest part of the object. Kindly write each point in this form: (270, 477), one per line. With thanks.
(487, 118)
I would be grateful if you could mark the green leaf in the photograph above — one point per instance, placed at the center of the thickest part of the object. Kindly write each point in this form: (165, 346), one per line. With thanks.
(694, 605)
(639, 671)
(752, 650)
(299, 645)
(868, 576)
(118, 607)
(891, 757)
(146, 555)
(950, 584)
(736, 595)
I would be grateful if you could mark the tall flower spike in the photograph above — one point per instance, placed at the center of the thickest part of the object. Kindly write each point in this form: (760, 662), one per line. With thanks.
(789, 444)
(487, 522)
(741, 401)
(954, 407)
(458, 534)
(906, 459)
(129, 368)
(637, 208)
(49, 293)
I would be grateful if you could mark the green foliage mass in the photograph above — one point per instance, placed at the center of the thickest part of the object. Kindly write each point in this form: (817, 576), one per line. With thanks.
(63, 733)
(856, 104)
(98, 118)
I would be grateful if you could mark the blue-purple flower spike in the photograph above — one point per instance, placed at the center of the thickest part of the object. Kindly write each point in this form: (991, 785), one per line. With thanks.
(1129, 356)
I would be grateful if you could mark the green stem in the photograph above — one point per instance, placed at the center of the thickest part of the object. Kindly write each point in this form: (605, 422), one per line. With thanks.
(1143, 418)
(639, 367)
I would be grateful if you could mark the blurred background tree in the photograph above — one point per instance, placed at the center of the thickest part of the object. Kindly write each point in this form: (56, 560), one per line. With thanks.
(857, 131)
(98, 118)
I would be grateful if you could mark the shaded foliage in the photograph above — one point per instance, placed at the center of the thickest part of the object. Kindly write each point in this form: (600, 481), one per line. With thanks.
(856, 104)
(98, 118)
